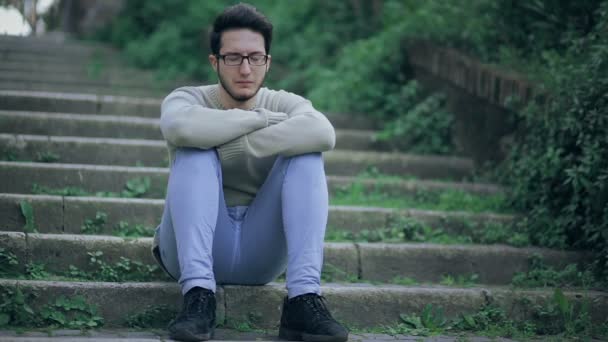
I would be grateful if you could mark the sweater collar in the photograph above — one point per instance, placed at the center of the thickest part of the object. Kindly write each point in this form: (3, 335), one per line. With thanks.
(214, 95)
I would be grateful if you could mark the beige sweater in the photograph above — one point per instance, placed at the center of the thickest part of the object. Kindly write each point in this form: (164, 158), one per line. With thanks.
(248, 141)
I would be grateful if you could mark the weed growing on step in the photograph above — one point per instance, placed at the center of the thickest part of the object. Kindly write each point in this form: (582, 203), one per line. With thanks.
(96, 225)
(66, 191)
(123, 270)
(542, 275)
(446, 200)
(125, 229)
(461, 280)
(36, 271)
(405, 281)
(28, 214)
(134, 188)
(9, 265)
(14, 308)
(71, 313)
(9, 154)
(156, 316)
(407, 229)
(558, 317)
(47, 157)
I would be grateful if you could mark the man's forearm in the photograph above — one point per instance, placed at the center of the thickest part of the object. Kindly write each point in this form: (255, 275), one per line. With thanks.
(301, 134)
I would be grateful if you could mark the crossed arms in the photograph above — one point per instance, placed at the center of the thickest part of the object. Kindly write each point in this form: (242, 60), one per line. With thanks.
(292, 127)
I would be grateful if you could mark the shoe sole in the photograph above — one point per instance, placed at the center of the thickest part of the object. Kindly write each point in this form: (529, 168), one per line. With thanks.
(187, 336)
(294, 335)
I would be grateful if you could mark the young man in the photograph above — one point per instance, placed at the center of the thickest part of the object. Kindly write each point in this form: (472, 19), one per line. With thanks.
(247, 194)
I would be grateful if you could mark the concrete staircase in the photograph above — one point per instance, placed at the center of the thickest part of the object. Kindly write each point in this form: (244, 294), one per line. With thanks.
(71, 115)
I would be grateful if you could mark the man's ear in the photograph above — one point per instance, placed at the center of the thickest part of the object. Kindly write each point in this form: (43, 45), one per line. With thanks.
(268, 63)
(213, 61)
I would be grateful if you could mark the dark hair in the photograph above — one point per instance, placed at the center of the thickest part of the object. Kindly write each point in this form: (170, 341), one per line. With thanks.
(240, 16)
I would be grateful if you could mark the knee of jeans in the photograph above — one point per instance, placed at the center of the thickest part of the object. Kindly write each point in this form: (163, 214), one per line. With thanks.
(196, 155)
(309, 161)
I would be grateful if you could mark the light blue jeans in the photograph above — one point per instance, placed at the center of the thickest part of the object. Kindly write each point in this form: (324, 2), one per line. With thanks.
(204, 242)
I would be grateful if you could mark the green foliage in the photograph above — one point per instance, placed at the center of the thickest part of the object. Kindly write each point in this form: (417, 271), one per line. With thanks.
(15, 309)
(71, 313)
(406, 229)
(36, 271)
(8, 263)
(133, 188)
(558, 167)
(461, 280)
(123, 270)
(10, 154)
(357, 193)
(47, 157)
(96, 225)
(124, 229)
(28, 214)
(424, 127)
(541, 275)
(66, 191)
(431, 321)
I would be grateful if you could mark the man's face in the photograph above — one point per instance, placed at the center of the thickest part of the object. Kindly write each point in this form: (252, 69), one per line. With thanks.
(241, 82)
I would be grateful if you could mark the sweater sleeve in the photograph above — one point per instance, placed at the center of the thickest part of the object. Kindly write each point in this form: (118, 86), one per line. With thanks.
(305, 131)
(187, 121)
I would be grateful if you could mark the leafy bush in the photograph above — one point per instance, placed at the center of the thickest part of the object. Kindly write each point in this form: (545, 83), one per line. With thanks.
(559, 166)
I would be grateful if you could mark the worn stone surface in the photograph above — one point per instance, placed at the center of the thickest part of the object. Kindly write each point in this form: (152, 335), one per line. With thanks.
(429, 262)
(454, 222)
(92, 178)
(355, 219)
(425, 167)
(340, 261)
(79, 125)
(79, 103)
(48, 212)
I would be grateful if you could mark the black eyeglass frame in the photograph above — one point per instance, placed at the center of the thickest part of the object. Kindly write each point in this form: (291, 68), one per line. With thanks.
(243, 57)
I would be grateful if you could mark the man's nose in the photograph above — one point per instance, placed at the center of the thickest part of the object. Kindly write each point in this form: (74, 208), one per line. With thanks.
(245, 67)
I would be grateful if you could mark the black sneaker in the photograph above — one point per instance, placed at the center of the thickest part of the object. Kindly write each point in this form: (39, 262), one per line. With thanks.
(196, 322)
(306, 318)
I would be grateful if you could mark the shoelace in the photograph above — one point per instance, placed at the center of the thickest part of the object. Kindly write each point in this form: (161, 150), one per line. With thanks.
(196, 303)
(318, 307)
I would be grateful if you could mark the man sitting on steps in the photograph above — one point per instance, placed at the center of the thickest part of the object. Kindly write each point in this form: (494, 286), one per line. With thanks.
(247, 194)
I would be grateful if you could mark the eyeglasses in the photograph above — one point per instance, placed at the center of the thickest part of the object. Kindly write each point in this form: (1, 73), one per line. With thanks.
(236, 59)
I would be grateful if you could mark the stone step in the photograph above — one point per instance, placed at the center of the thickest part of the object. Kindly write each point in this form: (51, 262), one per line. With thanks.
(221, 334)
(131, 127)
(79, 103)
(43, 86)
(376, 262)
(118, 80)
(85, 71)
(60, 58)
(149, 152)
(358, 306)
(124, 106)
(57, 214)
(56, 46)
(95, 178)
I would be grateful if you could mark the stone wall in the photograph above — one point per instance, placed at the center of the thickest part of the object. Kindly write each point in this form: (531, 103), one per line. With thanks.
(478, 95)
